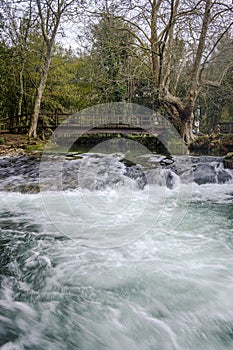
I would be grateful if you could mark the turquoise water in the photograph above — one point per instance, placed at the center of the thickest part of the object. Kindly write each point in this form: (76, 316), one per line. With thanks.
(167, 287)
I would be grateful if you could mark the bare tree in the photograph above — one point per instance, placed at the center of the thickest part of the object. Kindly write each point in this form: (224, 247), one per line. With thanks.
(50, 13)
(162, 27)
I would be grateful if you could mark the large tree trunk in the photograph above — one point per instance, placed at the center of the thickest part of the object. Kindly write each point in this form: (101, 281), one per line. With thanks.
(181, 112)
(188, 130)
(184, 109)
(39, 93)
(49, 21)
(188, 114)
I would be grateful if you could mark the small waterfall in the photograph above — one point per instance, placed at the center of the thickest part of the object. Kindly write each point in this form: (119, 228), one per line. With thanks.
(97, 172)
(101, 172)
(210, 172)
(163, 177)
(222, 175)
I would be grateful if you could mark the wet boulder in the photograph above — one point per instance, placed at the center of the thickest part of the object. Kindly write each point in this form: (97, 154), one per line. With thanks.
(162, 177)
(136, 173)
(213, 172)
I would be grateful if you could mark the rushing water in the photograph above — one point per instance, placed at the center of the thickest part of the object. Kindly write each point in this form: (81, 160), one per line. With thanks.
(165, 282)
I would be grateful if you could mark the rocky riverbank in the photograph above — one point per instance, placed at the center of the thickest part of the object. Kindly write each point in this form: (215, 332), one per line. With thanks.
(21, 156)
(213, 145)
(18, 145)
(97, 172)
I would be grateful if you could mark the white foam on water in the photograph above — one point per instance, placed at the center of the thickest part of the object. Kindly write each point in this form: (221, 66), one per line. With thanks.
(170, 288)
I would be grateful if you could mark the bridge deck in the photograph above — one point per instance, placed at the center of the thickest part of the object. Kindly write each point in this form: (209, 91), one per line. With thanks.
(76, 130)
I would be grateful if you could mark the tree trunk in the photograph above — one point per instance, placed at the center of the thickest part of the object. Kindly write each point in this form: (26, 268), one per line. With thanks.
(154, 42)
(49, 21)
(39, 93)
(188, 129)
(21, 95)
(188, 115)
(21, 91)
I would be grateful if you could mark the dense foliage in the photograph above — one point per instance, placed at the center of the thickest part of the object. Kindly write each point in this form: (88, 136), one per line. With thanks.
(116, 63)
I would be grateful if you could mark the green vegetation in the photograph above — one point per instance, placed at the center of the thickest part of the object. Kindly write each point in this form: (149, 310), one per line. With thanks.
(160, 56)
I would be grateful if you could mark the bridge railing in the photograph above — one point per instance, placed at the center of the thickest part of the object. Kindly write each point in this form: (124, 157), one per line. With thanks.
(84, 120)
(117, 120)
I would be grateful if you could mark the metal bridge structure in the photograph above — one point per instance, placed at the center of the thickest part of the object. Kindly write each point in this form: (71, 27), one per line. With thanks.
(95, 123)
(86, 123)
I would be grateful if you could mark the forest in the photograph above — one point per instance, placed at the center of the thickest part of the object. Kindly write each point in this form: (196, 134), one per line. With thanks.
(61, 56)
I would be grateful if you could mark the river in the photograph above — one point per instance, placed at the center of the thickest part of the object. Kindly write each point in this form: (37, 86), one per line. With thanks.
(132, 257)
